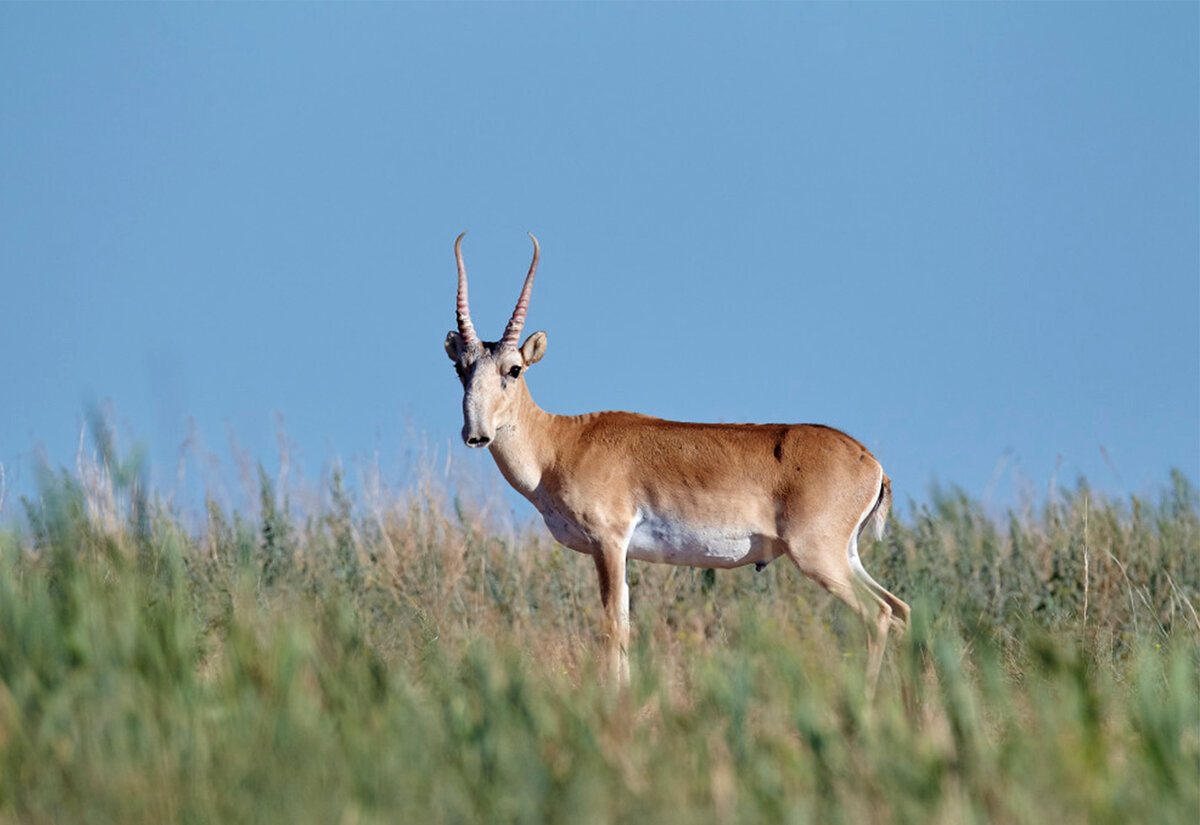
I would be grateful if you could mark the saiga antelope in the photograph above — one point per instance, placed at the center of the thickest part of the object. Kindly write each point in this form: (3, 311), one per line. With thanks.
(618, 485)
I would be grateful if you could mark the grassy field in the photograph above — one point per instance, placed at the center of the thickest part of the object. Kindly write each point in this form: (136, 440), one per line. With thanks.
(375, 658)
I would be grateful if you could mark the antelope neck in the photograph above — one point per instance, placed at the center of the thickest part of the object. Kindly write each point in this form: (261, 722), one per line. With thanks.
(525, 448)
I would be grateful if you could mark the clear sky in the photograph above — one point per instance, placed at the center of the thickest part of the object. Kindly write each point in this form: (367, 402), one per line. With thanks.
(967, 234)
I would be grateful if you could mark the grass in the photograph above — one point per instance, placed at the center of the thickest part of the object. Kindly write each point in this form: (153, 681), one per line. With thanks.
(374, 658)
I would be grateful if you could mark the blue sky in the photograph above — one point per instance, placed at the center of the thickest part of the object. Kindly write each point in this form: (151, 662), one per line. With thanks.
(968, 234)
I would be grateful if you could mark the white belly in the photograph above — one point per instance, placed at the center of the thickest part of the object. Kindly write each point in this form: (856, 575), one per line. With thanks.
(671, 541)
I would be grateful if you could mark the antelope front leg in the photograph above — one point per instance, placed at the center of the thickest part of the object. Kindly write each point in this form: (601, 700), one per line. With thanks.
(614, 594)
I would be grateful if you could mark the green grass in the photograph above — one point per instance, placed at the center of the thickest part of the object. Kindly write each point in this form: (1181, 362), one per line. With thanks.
(375, 659)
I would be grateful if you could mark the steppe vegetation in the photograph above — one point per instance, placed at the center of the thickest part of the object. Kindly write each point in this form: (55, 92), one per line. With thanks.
(369, 656)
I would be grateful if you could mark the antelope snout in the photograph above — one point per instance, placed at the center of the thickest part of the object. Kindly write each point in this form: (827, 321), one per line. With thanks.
(475, 436)
(476, 440)
(478, 429)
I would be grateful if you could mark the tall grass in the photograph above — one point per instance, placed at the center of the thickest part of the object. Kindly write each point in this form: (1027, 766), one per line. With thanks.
(377, 658)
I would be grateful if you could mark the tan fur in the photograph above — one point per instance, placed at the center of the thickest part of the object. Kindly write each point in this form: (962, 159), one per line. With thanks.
(801, 490)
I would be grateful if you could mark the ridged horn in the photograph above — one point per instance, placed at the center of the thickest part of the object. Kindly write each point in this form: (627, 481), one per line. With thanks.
(465, 328)
(512, 332)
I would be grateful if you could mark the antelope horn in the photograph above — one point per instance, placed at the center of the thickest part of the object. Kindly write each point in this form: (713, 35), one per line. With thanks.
(512, 332)
(465, 329)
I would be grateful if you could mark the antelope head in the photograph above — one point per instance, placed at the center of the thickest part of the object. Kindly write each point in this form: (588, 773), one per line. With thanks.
(492, 373)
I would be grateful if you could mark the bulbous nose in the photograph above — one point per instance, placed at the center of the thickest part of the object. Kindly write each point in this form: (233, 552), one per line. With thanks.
(472, 436)
(477, 429)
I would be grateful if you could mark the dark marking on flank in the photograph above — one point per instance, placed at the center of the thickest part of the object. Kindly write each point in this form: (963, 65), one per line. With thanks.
(779, 445)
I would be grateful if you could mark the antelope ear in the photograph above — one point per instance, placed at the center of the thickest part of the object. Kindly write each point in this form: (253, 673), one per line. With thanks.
(453, 345)
(534, 348)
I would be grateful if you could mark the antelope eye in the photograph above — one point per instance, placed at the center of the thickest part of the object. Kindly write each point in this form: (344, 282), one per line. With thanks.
(515, 372)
